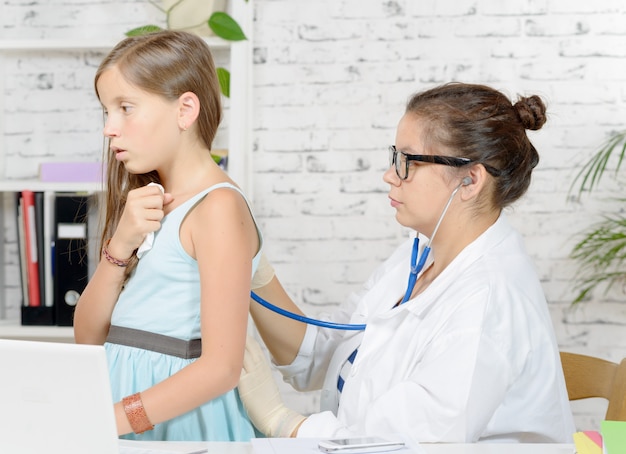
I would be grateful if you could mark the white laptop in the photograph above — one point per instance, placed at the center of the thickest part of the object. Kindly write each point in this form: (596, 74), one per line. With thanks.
(55, 398)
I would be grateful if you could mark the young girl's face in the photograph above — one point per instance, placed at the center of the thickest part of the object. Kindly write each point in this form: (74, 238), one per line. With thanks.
(142, 127)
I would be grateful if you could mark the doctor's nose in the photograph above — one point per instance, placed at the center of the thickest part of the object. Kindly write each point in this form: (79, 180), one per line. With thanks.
(391, 177)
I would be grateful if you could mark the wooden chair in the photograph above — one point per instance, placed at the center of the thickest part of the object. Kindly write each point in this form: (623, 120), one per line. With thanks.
(588, 376)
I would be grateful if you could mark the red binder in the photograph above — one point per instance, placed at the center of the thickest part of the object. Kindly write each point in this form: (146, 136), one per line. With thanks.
(30, 234)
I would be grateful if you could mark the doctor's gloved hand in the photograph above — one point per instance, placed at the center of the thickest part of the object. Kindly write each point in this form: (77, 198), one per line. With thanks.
(263, 274)
(261, 397)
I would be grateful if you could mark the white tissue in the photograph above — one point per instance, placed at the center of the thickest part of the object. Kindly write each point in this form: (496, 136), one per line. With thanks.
(149, 239)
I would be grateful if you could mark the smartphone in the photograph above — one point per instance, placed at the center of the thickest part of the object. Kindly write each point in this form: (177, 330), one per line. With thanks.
(359, 445)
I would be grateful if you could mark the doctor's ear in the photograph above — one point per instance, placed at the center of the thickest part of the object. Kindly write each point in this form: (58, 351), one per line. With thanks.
(473, 182)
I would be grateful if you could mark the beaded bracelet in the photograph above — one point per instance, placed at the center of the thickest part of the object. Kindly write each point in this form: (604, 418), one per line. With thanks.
(112, 259)
(136, 414)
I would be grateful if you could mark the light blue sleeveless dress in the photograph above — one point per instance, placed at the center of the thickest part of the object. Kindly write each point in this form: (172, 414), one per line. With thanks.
(163, 296)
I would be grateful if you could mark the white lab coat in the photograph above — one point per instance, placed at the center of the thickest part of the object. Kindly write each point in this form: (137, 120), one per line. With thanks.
(472, 358)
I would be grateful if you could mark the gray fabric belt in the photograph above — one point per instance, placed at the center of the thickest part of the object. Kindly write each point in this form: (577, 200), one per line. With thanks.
(155, 342)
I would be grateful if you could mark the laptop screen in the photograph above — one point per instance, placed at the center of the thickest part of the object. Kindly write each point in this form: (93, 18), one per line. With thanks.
(55, 398)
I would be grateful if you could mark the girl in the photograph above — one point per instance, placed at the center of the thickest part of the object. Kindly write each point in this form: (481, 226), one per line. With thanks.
(173, 315)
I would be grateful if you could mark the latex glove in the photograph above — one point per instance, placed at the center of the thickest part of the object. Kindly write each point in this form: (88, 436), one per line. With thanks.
(261, 397)
(263, 274)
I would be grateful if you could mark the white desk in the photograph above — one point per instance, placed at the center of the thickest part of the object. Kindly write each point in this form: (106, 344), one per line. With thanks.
(496, 448)
(479, 448)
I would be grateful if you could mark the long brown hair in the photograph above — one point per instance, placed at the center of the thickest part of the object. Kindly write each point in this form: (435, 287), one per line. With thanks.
(481, 123)
(165, 63)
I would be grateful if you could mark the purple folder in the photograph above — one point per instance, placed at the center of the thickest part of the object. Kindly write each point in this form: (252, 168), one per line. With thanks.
(71, 172)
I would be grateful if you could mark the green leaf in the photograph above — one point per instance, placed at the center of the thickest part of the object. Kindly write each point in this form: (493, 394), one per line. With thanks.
(601, 257)
(143, 30)
(223, 75)
(589, 176)
(226, 27)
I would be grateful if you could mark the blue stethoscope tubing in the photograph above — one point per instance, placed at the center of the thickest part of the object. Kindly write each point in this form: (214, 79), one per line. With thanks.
(416, 268)
(303, 319)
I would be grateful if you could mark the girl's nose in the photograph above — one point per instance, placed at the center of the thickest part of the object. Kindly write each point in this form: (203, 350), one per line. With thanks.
(109, 130)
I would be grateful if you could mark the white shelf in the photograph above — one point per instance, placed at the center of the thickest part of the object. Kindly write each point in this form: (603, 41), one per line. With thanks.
(11, 330)
(21, 45)
(44, 186)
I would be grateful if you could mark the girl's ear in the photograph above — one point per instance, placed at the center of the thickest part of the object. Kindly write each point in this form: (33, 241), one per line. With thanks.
(188, 109)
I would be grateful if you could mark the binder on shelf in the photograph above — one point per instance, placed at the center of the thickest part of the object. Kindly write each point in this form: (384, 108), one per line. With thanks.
(48, 218)
(41, 263)
(37, 315)
(32, 260)
(70, 256)
(30, 245)
(21, 247)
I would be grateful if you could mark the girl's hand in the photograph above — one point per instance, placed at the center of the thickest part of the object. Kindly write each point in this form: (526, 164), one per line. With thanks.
(142, 215)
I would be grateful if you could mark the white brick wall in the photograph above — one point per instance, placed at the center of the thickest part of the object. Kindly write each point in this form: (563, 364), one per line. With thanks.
(330, 82)
(331, 79)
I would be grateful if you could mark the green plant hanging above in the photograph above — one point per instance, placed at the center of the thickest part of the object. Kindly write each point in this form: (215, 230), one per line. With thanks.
(220, 23)
(224, 26)
(601, 251)
(223, 77)
(143, 30)
(589, 176)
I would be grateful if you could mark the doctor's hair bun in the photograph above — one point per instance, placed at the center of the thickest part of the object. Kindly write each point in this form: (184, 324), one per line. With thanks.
(531, 111)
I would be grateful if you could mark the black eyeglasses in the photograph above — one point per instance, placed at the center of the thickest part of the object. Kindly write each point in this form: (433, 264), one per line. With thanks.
(400, 161)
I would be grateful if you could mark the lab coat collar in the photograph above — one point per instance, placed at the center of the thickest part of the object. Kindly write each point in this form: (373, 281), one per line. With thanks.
(420, 305)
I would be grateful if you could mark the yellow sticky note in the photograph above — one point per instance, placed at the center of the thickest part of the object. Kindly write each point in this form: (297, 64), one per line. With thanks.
(587, 443)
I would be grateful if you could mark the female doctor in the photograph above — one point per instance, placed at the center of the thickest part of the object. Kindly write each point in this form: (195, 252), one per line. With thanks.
(466, 352)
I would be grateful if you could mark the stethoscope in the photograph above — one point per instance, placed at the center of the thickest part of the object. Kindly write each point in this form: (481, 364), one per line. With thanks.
(417, 265)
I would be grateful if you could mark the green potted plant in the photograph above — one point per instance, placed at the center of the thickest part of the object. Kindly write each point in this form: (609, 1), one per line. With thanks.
(601, 251)
(219, 22)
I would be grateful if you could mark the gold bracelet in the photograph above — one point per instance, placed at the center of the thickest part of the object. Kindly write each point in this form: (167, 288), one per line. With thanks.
(136, 414)
(112, 259)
